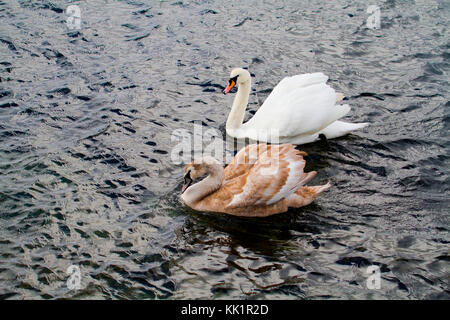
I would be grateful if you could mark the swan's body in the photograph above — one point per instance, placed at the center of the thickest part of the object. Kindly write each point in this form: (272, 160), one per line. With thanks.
(297, 111)
(261, 181)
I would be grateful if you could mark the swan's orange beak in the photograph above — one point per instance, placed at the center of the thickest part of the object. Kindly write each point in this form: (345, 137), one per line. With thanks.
(231, 84)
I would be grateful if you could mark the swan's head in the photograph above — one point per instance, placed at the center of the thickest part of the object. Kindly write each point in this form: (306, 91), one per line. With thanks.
(198, 168)
(237, 76)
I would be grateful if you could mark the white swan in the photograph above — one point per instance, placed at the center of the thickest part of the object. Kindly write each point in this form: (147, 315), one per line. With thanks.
(297, 111)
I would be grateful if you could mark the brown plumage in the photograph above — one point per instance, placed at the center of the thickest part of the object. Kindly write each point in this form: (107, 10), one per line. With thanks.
(262, 180)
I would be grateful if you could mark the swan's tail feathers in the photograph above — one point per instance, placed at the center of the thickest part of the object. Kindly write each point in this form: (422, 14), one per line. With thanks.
(341, 128)
(305, 195)
(341, 110)
(356, 126)
(339, 96)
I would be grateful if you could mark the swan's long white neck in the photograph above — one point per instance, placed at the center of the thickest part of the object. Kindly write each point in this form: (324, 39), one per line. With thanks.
(237, 113)
(201, 189)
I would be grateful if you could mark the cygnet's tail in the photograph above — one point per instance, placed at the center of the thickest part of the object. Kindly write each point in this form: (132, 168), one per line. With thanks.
(305, 195)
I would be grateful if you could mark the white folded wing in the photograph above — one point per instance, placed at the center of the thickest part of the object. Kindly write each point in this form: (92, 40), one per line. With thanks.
(298, 105)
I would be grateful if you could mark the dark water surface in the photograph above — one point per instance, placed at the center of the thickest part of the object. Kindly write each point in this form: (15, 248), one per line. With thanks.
(86, 176)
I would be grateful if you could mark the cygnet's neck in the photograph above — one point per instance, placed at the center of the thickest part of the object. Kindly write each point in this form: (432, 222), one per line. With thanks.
(203, 188)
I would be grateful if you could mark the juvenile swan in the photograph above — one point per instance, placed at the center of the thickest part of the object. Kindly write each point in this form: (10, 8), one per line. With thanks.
(297, 111)
(262, 180)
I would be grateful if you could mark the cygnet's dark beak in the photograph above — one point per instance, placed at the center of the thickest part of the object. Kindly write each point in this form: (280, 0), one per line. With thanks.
(187, 182)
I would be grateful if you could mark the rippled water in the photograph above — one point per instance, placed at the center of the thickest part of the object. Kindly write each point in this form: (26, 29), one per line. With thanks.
(86, 177)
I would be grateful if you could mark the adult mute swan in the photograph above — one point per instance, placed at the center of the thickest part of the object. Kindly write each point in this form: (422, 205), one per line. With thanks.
(298, 110)
(262, 180)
